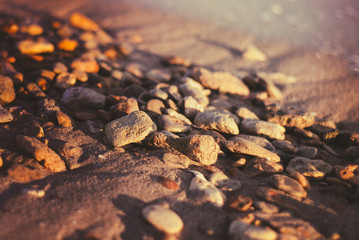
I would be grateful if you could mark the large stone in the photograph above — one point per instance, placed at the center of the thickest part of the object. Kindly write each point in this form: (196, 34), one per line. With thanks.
(191, 106)
(263, 128)
(210, 120)
(348, 173)
(240, 230)
(32, 47)
(85, 96)
(240, 145)
(132, 128)
(288, 185)
(7, 91)
(222, 81)
(310, 168)
(71, 153)
(164, 219)
(41, 153)
(262, 166)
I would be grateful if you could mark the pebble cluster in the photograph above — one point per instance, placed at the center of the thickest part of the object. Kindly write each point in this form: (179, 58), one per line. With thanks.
(75, 72)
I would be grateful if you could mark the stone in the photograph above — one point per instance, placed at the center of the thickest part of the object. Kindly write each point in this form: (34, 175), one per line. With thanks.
(80, 21)
(285, 146)
(41, 153)
(7, 91)
(71, 153)
(201, 148)
(32, 29)
(35, 47)
(307, 152)
(262, 166)
(190, 87)
(240, 230)
(158, 93)
(259, 141)
(245, 113)
(288, 185)
(289, 117)
(35, 90)
(352, 153)
(218, 121)
(132, 128)
(266, 207)
(208, 190)
(239, 163)
(124, 107)
(158, 75)
(5, 116)
(85, 65)
(155, 107)
(176, 61)
(315, 168)
(125, 48)
(178, 116)
(221, 181)
(325, 133)
(46, 107)
(24, 174)
(173, 124)
(348, 173)
(174, 92)
(67, 44)
(263, 128)
(59, 67)
(243, 146)
(65, 80)
(221, 81)
(254, 54)
(63, 119)
(81, 76)
(168, 183)
(84, 96)
(191, 106)
(239, 203)
(347, 138)
(163, 219)
(303, 181)
(136, 69)
(306, 134)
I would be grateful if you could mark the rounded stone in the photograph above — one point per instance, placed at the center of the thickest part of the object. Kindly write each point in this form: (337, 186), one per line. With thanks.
(310, 168)
(7, 91)
(217, 121)
(240, 230)
(288, 185)
(263, 128)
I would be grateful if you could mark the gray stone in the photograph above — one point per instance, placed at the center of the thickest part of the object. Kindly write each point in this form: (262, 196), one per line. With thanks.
(65, 80)
(245, 113)
(310, 168)
(221, 181)
(263, 128)
(288, 185)
(5, 116)
(308, 152)
(160, 139)
(285, 146)
(190, 87)
(259, 141)
(306, 134)
(173, 124)
(324, 132)
(262, 166)
(7, 91)
(85, 96)
(179, 116)
(240, 230)
(218, 121)
(132, 128)
(240, 145)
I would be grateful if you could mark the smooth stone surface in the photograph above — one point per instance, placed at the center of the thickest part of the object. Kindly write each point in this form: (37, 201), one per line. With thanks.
(191, 106)
(132, 128)
(63, 119)
(223, 182)
(210, 120)
(85, 96)
(155, 108)
(303, 181)
(80, 21)
(261, 141)
(310, 168)
(288, 185)
(266, 207)
(190, 87)
(240, 230)
(263, 128)
(245, 113)
(159, 75)
(7, 91)
(85, 65)
(305, 134)
(240, 145)
(164, 219)
(262, 166)
(5, 116)
(178, 116)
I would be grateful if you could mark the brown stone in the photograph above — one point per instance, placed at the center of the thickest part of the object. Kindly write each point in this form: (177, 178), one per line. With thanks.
(5, 116)
(313, 168)
(67, 44)
(7, 92)
(239, 203)
(124, 106)
(155, 107)
(85, 65)
(63, 119)
(71, 153)
(288, 185)
(80, 21)
(24, 174)
(35, 90)
(349, 173)
(262, 166)
(32, 47)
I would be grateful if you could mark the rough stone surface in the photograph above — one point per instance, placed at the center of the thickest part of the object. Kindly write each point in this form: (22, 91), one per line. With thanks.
(240, 145)
(261, 141)
(124, 107)
(221, 181)
(173, 124)
(164, 219)
(65, 80)
(223, 123)
(310, 168)
(63, 119)
(239, 203)
(71, 153)
(348, 173)
(35, 90)
(132, 128)
(85, 96)
(240, 230)
(288, 185)
(191, 107)
(262, 166)
(263, 128)
(5, 116)
(190, 87)
(161, 139)
(7, 92)
(285, 146)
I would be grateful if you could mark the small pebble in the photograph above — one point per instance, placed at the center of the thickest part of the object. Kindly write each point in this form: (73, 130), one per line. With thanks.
(263, 128)
(262, 166)
(221, 181)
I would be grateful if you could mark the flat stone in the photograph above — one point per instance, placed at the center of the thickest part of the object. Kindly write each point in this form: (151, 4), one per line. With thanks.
(5, 116)
(285, 146)
(240, 230)
(35, 47)
(173, 91)
(221, 181)
(158, 93)
(263, 128)
(173, 124)
(178, 116)
(132, 128)
(85, 96)
(80, 21)
(155, 108)
(307, 152)
(65, 80)
(262, 166)
(176, 60)
(158, 75)
(288, 185)
(191, 106)
(254, 54)
(261, 141)
(124, 107)
(266, 207)
(240, 145)
(67, 44)
(310, 168)
(41, 153)
(221, 81)
(71, 153)
(245, 113)
(303, 181)
(239, 203)
(218, 121)
(136, 69)
(306, 134)
(190, 87)
(7, 91)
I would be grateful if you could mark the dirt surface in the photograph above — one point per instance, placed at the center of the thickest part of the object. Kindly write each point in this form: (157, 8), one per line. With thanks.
(103, 197)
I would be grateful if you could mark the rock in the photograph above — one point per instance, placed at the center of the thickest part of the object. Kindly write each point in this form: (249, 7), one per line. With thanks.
(67, 44)
(84, 96)
(302, 133)
(285, 146)
(263, 128)
(254, 54)
(259, 141)
(7, 91)
(32, 29)
(155, 107)
(65, 80)
(191, 106)
(176, 159)
(71, 153)
(164, 219)
(168, 183)
(347, 138)
(59, 67)
(5, 116)
(308, 152)
(136, 69)
(239, 163)
(179, 116)
(315, 168)
(221, 81)
(80, 21)
(63, 119)
(262, 166)
(125, 48)
(41, 153)
(352, 153)
(174, 92)
(239, 203)
(158, 93)
(46, 107)
(32, 47)
(221, 181)
(158, 75)
(240, 145)
(176, 60)
(303, 181)
(245, 113)
(124, 107)
(201, 148)
(209, 191)
(240, 230)
(190, 87)
(132, 128)
(289, 117)
(349, 173)
(173, 124)
(24, 174)
(224, 123)
(35, 90)
(85, 65)
(288, 185)
(325, 133)
(266, 207)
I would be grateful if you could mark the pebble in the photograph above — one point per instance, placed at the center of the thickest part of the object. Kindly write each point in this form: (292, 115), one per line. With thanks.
(132, 128)
(80, 21)
(173, 124)
(245, 113)
(240, 230)
(173, 91)
(254, 54)
(348, 173)
(305, 134)
(266, 207)
(63, 119)
(161, 139)
(59, 67)
(158, 75)
(179, 116)
(262, 166)
(263, 128)
(7, 91)
(41, 153)
(288, 185)
(164, 219)
(221, 181)
(136, 69)
(32, 47)
(5, 116)
(325, 133)
(85, 65)
(190, 87)
(158, 93)
(218, 121)
(303, 181)
(221, 81)
(315, 168)
(191, 106)
(35, 90)
(65, 80)
(259, 141)
(210, 192)
(168, 183)
(240, 145)
(81, 76)
(85, 96)
(155, 108)
(352, 153)
(176, 60)
(71, 153)
(239, 163)
(239, 203)
(285, 146)
(67, 44)
(124, 107)
(32, 29)
(272, 90)
(46, 107)
(307, 152)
